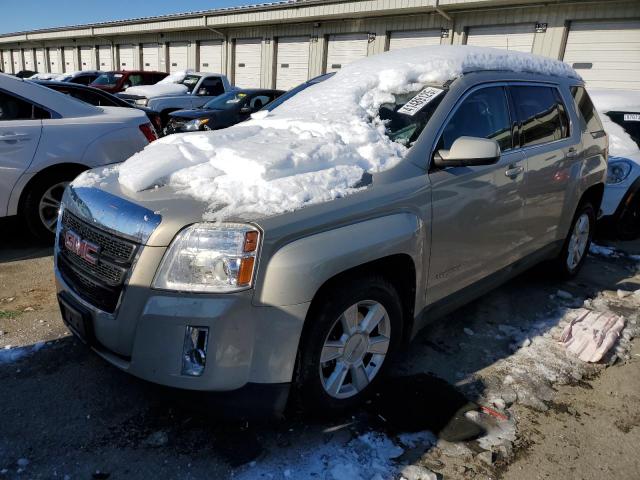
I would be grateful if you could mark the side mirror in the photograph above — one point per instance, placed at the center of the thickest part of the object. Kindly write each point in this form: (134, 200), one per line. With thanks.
(246, 110)
(468, 151)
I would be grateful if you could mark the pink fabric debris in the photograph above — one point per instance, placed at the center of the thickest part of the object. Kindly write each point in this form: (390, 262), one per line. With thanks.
(591, 334)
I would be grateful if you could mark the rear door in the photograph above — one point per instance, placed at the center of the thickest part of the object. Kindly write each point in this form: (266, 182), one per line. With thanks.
(551, 151)
(20, 130)
(478, 210)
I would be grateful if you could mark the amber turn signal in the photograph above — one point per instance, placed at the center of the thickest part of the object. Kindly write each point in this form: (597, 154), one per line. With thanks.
(246, 271)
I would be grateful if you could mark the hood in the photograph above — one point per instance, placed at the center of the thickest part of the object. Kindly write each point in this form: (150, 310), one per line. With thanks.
(158, 90)
(195, 113)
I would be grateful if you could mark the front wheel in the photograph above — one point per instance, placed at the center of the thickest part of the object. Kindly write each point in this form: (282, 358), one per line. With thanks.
(576, 246)
(350, 340)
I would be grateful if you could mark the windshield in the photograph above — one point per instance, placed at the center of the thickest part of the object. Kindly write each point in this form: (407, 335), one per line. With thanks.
(227, 101)
(190, 81)
(107, 79)
(630, 123)
(406, 117)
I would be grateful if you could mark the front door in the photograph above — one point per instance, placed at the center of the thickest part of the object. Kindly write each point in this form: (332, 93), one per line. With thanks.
(20, 129)
(478, 211)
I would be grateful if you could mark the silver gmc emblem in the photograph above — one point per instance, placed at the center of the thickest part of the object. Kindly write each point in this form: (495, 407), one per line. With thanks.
(86, 250)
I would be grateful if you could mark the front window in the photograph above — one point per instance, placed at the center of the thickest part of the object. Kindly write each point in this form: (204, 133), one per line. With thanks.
(405, 117)
(483, 114)
(227, 101)
(108, 79)
(190, 82)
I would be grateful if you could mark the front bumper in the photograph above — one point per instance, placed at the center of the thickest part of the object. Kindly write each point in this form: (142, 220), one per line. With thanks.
(145, 336)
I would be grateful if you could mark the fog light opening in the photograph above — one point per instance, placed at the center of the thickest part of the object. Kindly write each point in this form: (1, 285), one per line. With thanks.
(194, 351)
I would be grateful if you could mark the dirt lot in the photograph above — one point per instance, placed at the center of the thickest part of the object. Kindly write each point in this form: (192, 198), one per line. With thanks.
(65, 413)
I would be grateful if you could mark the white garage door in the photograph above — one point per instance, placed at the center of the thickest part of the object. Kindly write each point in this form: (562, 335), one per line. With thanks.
(55, 64)
(29, 63)
(293, 62)
(248, 62)
(605, 54)
(86, 58)
(6, 61)
(178, 56)
(104, 58)
(17, 60)
(415, 38)
(41, 63)
(126, 57)
(344, 49)
(151, 57)
(510, 37)
(210, 56)
(69, 60)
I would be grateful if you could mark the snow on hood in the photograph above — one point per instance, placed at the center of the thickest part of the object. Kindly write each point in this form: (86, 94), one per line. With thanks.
(620, 143)
(169, 85)
(316, 146)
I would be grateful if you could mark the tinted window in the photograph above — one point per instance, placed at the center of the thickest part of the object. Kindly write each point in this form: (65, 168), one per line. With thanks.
(108, 79)
(12, 108)
(211, 87)
(83, 79)
(483, 114)
(588, 116)
(257, 102)
(541, 114)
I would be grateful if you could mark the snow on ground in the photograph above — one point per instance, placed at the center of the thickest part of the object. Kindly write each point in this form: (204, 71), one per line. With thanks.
(11, 354)
(317, 145)
(527, 377)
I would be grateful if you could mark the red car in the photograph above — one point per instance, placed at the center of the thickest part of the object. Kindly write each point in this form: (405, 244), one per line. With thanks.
(114, 82)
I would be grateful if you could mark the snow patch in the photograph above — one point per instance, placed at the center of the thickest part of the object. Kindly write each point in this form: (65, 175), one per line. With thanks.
(10, 355)
(316, 146)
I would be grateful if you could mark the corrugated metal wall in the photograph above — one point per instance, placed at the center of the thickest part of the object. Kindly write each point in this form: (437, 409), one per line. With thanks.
(375, 18)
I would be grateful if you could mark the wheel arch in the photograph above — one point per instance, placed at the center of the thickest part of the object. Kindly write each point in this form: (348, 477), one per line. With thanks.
(70, 167)
(593, 195)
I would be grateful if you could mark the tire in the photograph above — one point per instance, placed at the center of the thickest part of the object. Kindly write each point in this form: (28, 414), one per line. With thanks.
(315, 380)
(576, 245)
(41, 202)
(628, 220)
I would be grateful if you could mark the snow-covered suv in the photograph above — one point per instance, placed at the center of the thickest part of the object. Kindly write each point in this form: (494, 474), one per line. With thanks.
(301, 248)
(178, 91)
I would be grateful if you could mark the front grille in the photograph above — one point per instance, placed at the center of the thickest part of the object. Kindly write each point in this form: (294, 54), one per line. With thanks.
(99, 284)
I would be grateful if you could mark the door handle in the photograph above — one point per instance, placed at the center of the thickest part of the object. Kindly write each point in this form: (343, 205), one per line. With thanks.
(513, 171)
(572, 152)
(12, 137)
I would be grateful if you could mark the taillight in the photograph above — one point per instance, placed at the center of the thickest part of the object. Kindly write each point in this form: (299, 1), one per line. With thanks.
(149, 132)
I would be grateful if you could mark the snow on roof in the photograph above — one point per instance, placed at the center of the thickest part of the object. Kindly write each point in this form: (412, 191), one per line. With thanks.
(169, 85)
(316, 146)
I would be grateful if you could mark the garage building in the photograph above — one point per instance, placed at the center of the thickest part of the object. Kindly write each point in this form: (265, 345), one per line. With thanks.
(281, 44)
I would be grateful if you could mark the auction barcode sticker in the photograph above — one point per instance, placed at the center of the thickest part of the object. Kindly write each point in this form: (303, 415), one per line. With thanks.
(632, 117)
(414, 105)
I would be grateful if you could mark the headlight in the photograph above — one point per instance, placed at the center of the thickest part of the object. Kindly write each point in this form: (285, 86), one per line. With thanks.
(207, 257)
(143, 102)
(193, 125)
(618, 171)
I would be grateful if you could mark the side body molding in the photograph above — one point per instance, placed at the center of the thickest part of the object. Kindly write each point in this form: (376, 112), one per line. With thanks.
(296, 271)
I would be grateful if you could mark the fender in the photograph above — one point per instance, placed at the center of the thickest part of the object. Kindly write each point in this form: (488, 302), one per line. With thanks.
(296, 271)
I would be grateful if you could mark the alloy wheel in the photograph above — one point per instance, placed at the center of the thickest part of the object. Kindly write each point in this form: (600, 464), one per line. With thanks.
(578, 241)
(355, 349)
(49, 205)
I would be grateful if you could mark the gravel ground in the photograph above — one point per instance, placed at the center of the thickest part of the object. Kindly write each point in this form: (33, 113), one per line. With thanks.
(65, 413)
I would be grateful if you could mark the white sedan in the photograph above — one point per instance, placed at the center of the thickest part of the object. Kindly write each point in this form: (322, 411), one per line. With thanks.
(620, 115)
(48, 138)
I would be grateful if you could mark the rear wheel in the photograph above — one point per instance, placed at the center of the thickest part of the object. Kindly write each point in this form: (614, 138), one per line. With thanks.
(352, 336)
(42, 203)
(576, 246)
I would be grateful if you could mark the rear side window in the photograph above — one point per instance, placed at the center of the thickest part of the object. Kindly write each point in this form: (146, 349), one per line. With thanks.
(589, 119)
(13, 108)
(483, 114)
(541, 113)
